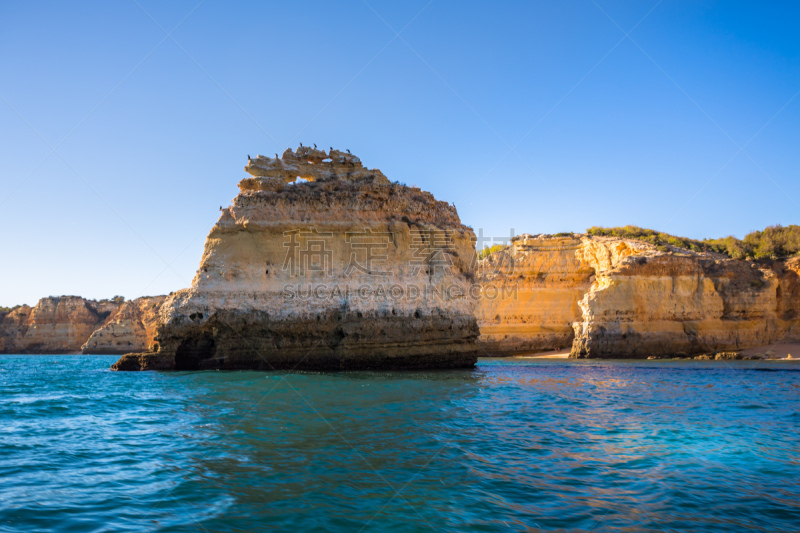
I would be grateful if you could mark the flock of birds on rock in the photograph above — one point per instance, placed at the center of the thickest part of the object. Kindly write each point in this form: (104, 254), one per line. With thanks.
(301, 146)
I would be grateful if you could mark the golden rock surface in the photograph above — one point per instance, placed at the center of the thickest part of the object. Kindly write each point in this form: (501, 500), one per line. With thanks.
(285, 280)
(610, 297)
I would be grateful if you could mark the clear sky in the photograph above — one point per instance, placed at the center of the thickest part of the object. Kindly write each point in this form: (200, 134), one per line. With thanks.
(126, 124)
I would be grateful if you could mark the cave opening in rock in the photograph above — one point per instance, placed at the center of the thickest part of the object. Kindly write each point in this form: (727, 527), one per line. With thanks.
(193, 351)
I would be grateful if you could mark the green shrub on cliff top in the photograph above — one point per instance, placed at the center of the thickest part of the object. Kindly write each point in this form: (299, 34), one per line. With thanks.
(774, 242)
(490, 250)
(656, 238)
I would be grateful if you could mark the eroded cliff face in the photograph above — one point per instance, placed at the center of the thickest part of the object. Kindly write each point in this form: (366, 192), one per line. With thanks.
(687, 304)
(624, 298)
(132, 327)
(54, 325)
(345, 271)
(530, 294)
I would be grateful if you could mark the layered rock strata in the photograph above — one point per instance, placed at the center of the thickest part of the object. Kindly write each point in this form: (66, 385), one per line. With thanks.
(58, 324)
(346, 271)
(530, 294)
(625, 298)
(131, 328)
(688, 304)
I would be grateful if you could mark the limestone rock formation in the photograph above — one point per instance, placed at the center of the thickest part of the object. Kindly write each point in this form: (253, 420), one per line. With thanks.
(625, 298)
(687, 304)
(530, 294)
(131, 328)
(345, 271)
(59, 324)
(309, 164)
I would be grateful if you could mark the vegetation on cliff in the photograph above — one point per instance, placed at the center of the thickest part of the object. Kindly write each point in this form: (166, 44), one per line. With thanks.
(488, 250)
(774, 242)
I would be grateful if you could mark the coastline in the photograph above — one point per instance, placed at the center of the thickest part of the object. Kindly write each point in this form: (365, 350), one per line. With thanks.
(775, 352)
(551, 354)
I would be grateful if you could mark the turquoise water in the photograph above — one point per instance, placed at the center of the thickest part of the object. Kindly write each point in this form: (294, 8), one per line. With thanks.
(512, 445)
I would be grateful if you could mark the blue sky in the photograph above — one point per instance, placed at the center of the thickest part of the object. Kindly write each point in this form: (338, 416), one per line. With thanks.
(126, 124)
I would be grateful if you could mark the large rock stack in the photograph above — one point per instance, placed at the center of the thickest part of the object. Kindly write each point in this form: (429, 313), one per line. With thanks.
(344, 271)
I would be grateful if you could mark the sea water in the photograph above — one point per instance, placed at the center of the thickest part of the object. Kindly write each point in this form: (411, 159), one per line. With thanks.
(519, 445)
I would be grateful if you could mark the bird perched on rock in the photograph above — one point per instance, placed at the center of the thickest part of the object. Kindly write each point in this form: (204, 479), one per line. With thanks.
(315, 146)
(276, 156)
(348, 150)
(301, 145)
(248, 157)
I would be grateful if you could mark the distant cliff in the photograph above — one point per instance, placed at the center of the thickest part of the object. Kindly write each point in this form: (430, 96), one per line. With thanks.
(617, 297)
(131, 328)
(71, 324)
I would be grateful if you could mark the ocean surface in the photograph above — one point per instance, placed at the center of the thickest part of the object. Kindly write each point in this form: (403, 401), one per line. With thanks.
(516, 445)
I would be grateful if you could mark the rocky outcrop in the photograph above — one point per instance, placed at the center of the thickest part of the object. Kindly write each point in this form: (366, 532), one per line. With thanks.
(308, 164)
(685, 304)
(58, 324)
(345, 271)
(625, 298)
(530, 294)
(13, 326)
(131, 328)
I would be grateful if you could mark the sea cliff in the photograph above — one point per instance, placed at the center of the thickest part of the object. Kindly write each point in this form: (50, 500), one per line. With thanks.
(627, 298)
(71, 324)
(131, 327)
(57, 324)
(531, 291)
(343, 269)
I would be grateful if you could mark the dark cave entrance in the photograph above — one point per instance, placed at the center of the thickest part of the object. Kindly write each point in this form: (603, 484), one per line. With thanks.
(193, 351)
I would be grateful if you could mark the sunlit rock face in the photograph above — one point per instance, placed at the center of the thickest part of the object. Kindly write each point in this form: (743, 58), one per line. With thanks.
(57, 324)
(609, 297)
(131, 328)
(687, 304)
(530, 294)
(344, 271)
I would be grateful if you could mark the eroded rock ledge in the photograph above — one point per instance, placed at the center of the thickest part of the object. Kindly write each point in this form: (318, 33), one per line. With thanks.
(611, 297)
(309, 164)
(347, 271)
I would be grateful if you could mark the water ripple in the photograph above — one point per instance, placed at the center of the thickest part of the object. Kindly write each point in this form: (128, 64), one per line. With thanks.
(522, 446)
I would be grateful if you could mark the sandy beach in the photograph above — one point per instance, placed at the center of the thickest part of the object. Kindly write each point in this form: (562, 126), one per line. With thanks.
(775, 351)
(770, 351)
(553, 354)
